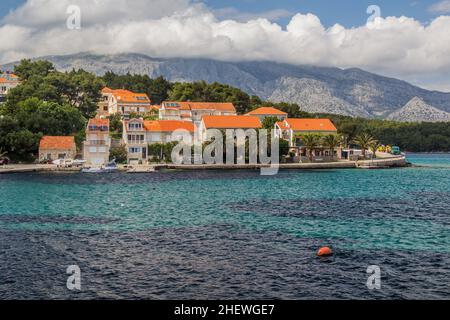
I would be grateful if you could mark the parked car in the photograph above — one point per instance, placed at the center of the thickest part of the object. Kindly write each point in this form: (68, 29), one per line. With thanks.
(4, 161)
(395, 151)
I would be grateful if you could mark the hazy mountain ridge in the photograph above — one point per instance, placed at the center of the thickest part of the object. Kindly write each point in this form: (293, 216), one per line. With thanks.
(417, 110)
(351, 92)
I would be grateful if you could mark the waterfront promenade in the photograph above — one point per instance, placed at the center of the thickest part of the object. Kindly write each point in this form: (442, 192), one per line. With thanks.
(390, 162)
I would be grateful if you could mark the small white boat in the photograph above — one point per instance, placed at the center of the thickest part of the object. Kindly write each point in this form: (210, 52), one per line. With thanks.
(110, 167)
(92, 170)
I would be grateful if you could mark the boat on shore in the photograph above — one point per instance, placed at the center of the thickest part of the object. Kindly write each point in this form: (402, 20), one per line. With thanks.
(109, 168)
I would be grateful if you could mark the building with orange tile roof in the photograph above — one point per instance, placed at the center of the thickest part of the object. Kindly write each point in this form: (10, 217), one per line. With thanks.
(227, 122)
(194, 111)
(57, 147)
(8, 81)
(292, 130)
(268, 112)
(98, 142)
(123, 101)
(139, 133)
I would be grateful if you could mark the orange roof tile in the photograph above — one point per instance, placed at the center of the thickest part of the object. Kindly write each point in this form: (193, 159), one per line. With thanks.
(311, 124)
(266, 111)
(8, 77)
(57, 142)
(168, 125)
(99, 122)
(219, 106)
(232, 122)
(106, 90)
(127, 96)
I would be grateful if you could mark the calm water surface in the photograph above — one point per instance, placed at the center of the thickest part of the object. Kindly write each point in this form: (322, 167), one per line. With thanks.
(228, 235)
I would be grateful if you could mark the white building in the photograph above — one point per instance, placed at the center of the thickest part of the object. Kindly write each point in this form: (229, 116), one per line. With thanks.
(98, 142)
(194, 111)
(8, 81)
(138, 134)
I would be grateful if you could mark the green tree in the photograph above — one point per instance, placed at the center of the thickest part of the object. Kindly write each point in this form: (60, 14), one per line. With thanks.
(49, 118)
(77, 88)
(115, 126)
(311, 142)
(119, 153)
(214, 92)
(27, 68)
(269, 123)
(374, 146)
(364, 140)
(3, 155)
(284, 148)
(331, 141)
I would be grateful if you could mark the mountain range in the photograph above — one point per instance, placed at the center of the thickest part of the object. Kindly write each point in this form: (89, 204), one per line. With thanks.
(352, 92)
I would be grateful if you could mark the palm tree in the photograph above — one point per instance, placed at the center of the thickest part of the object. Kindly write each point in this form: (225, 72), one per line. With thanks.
(3, 154)
(331, 141)
(311, 142)
(364, 140)
(374, 147)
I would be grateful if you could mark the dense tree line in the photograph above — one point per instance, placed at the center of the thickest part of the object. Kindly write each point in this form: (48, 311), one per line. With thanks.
(214, 92)
(47, 102)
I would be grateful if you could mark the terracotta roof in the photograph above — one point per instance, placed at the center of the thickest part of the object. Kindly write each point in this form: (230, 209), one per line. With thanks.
(56, 142)
(99, 122)
(168, 125)
(8, 77)
(127, 96)
(232, 122)
(219, 106)
(131, 97)
(107, 90)
(266, 111)
(311, 124)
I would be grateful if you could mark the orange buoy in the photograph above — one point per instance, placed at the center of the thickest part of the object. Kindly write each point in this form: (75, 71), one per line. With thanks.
(325, 252)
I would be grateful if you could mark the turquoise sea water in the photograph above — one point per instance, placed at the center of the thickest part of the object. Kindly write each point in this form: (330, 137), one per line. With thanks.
(223, 223)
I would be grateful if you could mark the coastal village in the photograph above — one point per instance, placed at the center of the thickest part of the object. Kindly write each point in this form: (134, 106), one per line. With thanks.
(193, 117)
(145, 124)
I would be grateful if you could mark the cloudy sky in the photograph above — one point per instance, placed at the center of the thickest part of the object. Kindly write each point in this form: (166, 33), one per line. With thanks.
(409, 40)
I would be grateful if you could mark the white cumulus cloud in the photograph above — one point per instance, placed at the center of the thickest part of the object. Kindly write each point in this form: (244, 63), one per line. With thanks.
(394, 46)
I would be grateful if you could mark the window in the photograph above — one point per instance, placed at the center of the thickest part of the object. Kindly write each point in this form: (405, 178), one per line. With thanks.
(92, 149)
(135, 126)
(134, 150)
(102, 149)
(136, 138)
